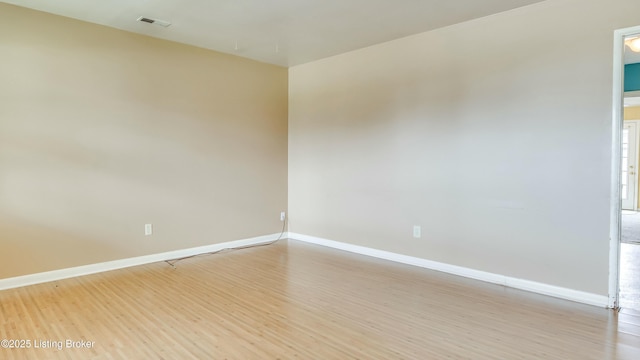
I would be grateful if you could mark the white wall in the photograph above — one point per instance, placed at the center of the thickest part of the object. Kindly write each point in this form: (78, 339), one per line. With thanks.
(493, 135)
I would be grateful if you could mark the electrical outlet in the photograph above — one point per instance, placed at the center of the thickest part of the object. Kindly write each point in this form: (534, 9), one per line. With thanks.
(283, 216)
(417, 231)
(148, 229)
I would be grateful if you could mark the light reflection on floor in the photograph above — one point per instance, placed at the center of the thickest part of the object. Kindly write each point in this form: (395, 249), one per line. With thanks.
(630, 276)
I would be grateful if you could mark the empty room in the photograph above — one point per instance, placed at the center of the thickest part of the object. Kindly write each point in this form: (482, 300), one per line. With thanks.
(287, 179)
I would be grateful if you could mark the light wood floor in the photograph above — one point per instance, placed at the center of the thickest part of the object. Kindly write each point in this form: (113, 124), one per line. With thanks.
(297, 301)
(630, 276)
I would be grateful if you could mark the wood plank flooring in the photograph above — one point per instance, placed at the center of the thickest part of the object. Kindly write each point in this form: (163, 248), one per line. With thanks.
(292, 300)
(630, 276)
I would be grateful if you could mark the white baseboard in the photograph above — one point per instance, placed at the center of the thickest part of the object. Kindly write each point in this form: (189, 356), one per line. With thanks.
(55, 275)
(532, 286)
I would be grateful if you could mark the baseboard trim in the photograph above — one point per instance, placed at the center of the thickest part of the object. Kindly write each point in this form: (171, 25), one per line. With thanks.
(527, 285)
(38, 278)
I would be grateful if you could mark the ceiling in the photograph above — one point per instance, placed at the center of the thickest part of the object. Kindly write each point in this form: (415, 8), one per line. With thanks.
(631, 57)
(281, 32)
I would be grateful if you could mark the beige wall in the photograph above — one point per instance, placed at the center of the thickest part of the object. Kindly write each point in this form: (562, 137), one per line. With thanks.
(477, 133)
(102, 131)
(632, 113)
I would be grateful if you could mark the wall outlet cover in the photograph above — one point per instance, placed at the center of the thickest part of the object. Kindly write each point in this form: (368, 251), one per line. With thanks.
(417, 231)
(148, 229)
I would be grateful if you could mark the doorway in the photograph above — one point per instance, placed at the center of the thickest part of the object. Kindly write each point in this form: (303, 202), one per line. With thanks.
(624, 255)
(629, 277)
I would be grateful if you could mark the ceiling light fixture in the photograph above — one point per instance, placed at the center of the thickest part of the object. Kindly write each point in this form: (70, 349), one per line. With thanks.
(633, 44)
(163, 23)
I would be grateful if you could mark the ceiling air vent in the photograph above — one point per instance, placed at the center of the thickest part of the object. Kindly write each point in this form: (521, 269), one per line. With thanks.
(154, 21)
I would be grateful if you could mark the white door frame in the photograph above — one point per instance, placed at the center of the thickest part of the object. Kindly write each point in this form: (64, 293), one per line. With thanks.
(616, 163)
